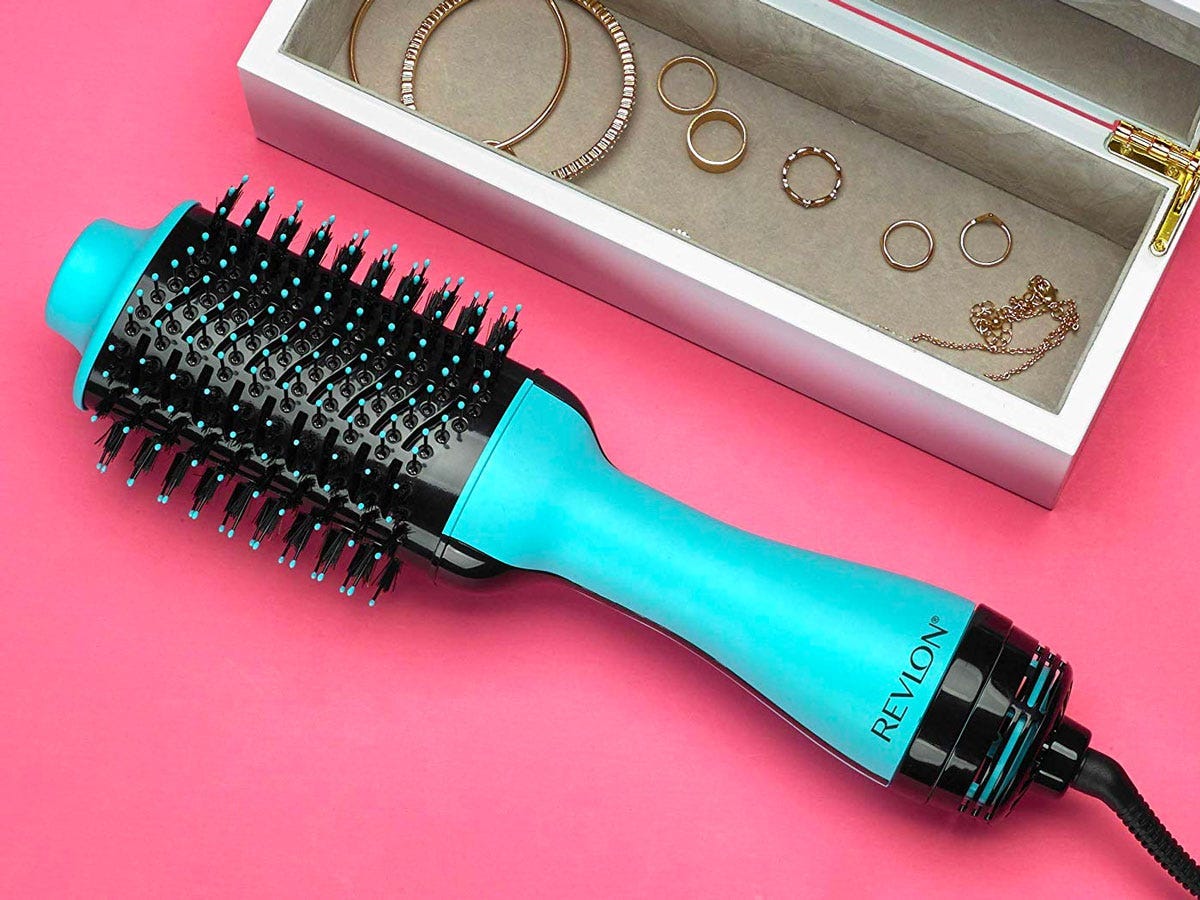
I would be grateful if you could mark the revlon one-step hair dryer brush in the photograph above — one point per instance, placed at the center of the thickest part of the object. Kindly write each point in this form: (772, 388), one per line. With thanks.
(364, 420)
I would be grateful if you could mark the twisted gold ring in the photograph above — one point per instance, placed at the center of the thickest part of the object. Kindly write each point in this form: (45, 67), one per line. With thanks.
(823, 154)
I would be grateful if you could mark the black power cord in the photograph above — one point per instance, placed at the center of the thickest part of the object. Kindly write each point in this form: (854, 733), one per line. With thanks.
(1103, 777)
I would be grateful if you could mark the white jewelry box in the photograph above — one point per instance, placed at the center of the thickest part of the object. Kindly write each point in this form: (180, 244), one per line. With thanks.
(933, 108)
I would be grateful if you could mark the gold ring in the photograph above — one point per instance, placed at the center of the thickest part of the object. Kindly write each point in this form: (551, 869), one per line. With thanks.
(823, 154)
(507, 143)
(696, 61)
(891, 260)
(616, 33)
(716, 115)
(986, 219)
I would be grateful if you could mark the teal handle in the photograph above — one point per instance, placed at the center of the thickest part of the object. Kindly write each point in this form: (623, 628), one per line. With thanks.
(851, 654)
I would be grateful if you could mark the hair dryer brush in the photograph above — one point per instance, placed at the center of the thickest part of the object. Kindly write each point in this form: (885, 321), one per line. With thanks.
(363, 420)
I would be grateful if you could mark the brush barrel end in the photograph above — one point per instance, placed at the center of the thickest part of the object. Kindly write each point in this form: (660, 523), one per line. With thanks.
(95, 281)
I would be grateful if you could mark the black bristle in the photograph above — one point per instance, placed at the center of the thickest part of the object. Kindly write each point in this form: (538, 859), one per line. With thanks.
(145, 456)
(258, 212)
(319, 241)
(381, 270)
(203, 449)
(286, 228)
(411, 287)
(503, 332)
(235, 507)
(331, 551)
(113, 440)
(441, 302)
(296, 538)
(389, 569)
(308, 391)
(174, 477)
(471, 316)
(104, 406)
(205, 490)
(387, 578)
(348, 257)
(224, 206)
(362, 564)
(270, 514)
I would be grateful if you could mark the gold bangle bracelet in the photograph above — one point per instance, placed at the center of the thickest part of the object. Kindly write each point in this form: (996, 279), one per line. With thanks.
(433, 22)
(716, 115)
(598, 11)
(620, 120)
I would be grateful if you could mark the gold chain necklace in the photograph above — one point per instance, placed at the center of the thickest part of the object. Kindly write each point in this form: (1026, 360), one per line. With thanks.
(995, 323)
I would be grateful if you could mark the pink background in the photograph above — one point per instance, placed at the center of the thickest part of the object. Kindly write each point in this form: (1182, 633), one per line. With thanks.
(179, 716)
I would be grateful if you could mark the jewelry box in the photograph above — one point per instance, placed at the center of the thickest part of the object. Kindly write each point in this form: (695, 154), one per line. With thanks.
(1069, 121)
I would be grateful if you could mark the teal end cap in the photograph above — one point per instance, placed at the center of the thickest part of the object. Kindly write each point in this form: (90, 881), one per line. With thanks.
(99, 273)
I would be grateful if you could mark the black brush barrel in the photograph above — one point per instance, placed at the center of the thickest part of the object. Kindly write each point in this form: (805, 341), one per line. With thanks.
(342, 420)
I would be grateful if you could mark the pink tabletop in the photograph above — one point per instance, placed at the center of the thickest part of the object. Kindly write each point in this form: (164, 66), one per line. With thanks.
(182, 717)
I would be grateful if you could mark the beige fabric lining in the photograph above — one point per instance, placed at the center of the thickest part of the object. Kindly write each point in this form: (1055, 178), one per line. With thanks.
(1125, 68)
(490, 70)
(1148, 23)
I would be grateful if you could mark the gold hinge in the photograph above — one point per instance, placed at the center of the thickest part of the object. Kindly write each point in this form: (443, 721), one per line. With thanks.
(1179, 163)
